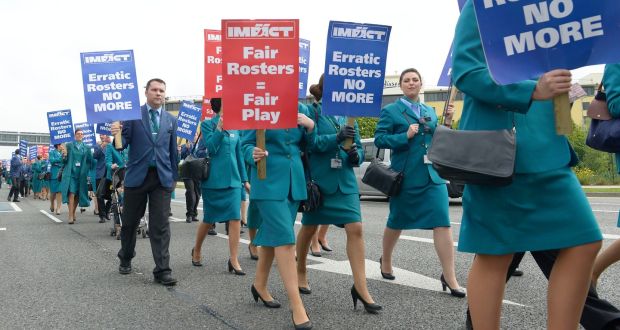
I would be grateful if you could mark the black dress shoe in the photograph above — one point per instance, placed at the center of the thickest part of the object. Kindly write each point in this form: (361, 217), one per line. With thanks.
(387, 276)
(372, 308)
(315, 254)
(196, 263)
(252, 256)
(458, 292)
(166, 279)
(194, 219)
(303, 326)
(16, 201)
(212, 232)
(124, 269)
(234, 270)
(269, 304)
(325, 247)
(188, 219)
(517, 272)
(101, 220)
(303, 290)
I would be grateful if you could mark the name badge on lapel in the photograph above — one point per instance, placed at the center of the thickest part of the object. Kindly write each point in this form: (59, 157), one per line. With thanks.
(336, 163)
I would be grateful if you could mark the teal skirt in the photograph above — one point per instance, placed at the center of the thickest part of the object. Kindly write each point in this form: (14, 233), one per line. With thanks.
(221, 205)
(54, 186)
(423, 207)
(74, 186)
(253, 220)
(278, 222)
(336, 209)
(538, 211)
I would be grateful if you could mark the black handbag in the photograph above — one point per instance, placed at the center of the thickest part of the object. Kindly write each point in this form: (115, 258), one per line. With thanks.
(604, 132)
(314, 199)
(195, 168)
(59, 175)
(383, 178)
(474, 157)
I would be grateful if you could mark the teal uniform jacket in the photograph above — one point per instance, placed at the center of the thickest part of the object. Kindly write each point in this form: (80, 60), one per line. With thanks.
(113, 156)
(55, 158)
(227, 163)
(87, 162)
(285, 172)
(324, 148)
(611, 83)
(391, 133)
(489, 106)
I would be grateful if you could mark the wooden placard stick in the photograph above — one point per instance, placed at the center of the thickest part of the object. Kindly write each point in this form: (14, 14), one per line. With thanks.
(261, 166)
(453, 91)
(118, 138)
(348, 142)
(563, 121)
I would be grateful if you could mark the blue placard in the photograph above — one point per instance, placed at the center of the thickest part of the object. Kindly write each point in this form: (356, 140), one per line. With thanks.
(23, 148)
(446, 72)
(304, 67)
(89, 137)
(32, 152)
(110, 86)
(524, 39)
(188, 119)
(355, 69)
(104, 128)
(60, 126)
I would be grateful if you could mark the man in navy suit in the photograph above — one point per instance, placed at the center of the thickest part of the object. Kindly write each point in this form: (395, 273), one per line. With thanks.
(151, 175)
(16, 172)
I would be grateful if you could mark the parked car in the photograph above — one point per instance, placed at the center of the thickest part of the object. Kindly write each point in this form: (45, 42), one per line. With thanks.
(370, 152)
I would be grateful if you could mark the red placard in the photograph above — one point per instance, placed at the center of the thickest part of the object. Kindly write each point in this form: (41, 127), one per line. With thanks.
(207, 112)
(213, 63)
(261, 73)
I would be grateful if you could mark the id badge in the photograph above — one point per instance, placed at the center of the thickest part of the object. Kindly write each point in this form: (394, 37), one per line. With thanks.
(426, 160)
(78, 164)
(336, 163)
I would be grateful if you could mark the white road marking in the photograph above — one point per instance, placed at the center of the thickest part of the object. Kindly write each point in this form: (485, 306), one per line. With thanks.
(610, 236)
(604, 211)
(2, 229)
(51, 216)
(15, 208)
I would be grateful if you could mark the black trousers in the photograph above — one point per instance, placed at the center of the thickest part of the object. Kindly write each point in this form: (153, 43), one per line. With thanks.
(192, 197)
(597, 313)
(23, 187)
(103, 205)
(14, 189)
(135, 203)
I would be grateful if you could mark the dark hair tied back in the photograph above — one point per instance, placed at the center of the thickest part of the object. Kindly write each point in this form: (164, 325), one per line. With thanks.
(317, 89)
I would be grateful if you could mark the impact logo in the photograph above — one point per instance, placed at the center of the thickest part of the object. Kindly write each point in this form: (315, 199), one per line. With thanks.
(102, 58)
(284, 30)
(350, 31)
(214, 37)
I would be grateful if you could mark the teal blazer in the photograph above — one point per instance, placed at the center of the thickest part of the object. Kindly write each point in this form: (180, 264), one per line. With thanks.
(87, 162)
(55, 158)
(323, 148)
(113, 156)
(391, 133)
(489, 106)
(611, 83)
(224, 149)
(285, 172)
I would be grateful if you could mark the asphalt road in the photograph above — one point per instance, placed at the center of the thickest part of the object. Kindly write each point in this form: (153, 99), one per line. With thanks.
(66, 277)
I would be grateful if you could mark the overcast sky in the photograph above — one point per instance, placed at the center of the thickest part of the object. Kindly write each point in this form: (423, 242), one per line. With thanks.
(42, 40)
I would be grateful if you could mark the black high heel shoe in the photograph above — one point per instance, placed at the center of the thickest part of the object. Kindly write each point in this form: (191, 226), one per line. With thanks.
(196, 263)
(304, 326)
(233, 270)
(304, 290)
(252, 256)
(269, 304)
(370, 308)
(460, 293)
(325, 247)
(387, 276)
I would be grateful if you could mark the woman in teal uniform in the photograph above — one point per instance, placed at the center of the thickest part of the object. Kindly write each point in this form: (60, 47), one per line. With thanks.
(45, 182)
(36, 181)
(406, 126)
(611, 84)
(277, 198)
(332, 169)
(543, 208)
(78, 160)
(221, 195)
(115, 161)
(55, 157)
